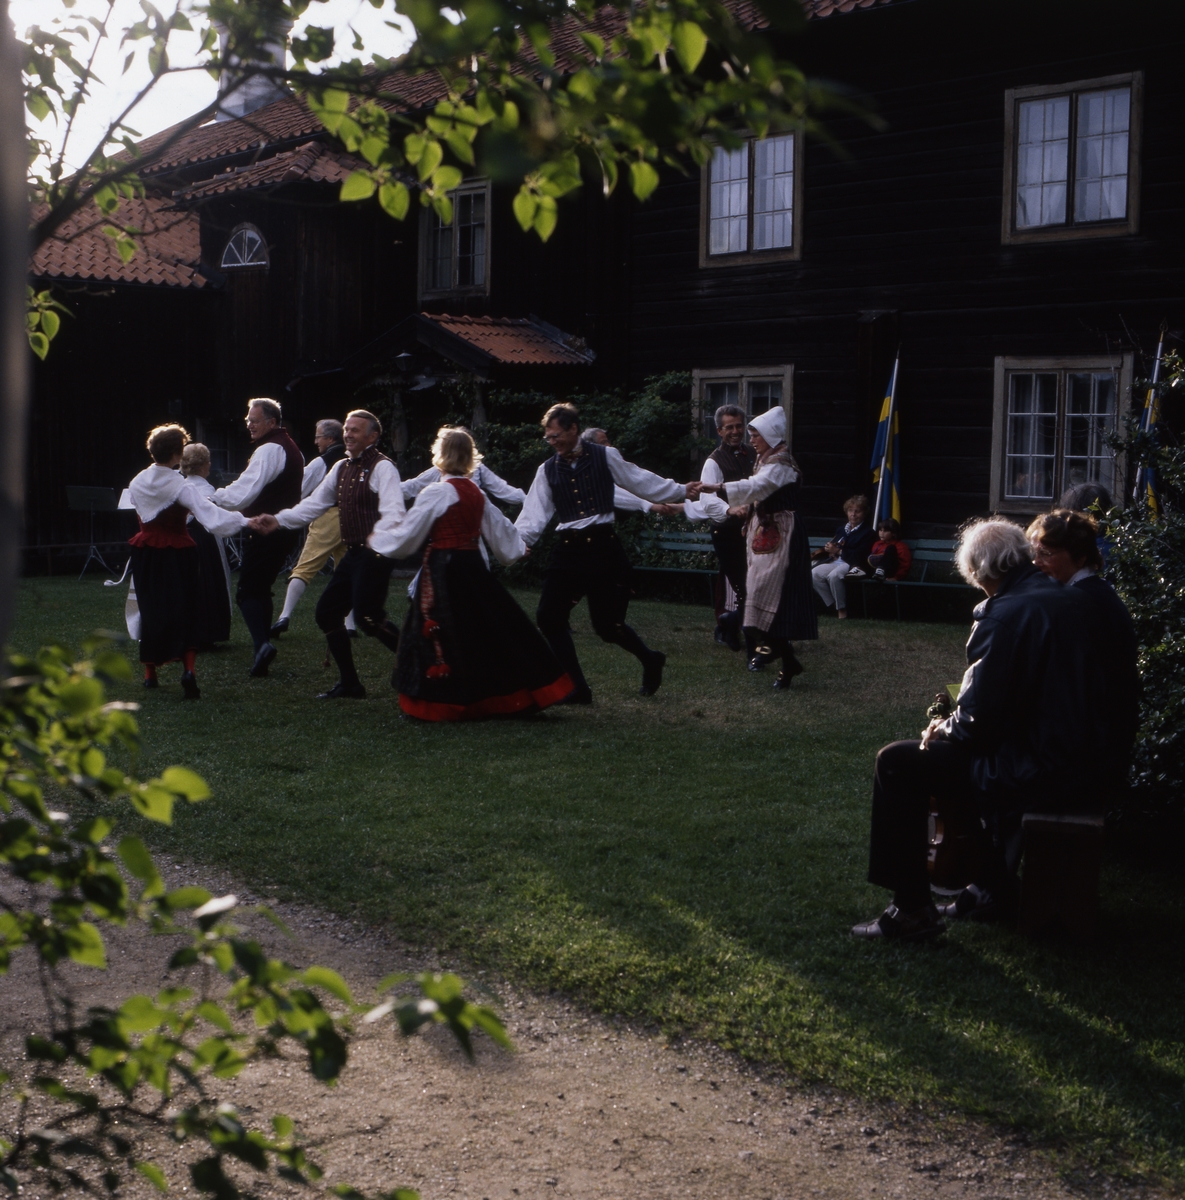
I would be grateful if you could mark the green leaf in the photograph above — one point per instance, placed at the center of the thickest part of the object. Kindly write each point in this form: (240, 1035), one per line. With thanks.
(37, 105)
(94, 830)
(51, 323)
(154, 1175)
(525, 205)
(331, 981)
(214, 1014)
(431, 158)
(138, 1014)
(134, 855)
(459, 144)
(359, 185)
(546, 217)
(395, 199)
(81, 696)
(444, 179)
(155, 803)
(282, 1125)
(84, 944)
(584, 85)
(187, 897)
(185, 783)
(643, 179)
(690, 42)
(127, 251)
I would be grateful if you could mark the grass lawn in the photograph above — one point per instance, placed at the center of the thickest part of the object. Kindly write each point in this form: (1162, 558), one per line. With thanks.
(694, 859)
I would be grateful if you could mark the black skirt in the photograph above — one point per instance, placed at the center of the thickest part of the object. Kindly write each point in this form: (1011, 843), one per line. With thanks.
(797, 618)
(213, 604)
(167, 584)
(491, 660)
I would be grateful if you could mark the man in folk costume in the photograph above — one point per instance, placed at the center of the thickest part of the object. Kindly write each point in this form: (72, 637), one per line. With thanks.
(731, 461)
(577, 485)
(366, 488)
(270, 482)
(324, 540)
(779, 601)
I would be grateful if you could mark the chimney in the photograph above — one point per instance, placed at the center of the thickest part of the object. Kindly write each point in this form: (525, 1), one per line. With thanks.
(256, 90)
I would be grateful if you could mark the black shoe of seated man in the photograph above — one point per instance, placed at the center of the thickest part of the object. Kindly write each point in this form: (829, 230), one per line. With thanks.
(652, 673)
(997, 902)
(263, 659)
(893, 925)
(578, 695)
(189, 686)
(344, 691)
(281, 626)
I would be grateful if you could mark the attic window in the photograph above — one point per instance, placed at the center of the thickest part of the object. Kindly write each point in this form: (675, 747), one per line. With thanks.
(246, 248)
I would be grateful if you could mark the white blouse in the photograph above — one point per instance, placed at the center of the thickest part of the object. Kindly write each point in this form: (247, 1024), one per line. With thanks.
(434, 501)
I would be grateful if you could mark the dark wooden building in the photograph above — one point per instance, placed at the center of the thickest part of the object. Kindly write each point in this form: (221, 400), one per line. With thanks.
(1011, 222)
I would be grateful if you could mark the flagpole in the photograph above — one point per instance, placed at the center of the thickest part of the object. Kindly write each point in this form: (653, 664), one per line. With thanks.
(1149, 402)
(880, 485)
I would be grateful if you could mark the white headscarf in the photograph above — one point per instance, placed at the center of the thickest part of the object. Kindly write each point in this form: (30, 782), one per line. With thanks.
(771, 425)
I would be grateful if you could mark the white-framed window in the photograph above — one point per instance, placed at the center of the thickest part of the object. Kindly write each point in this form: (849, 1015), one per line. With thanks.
(755, 389)
(245, 248)
(454, 258)
(1050, 425)
(751, 202)
(1072, 159)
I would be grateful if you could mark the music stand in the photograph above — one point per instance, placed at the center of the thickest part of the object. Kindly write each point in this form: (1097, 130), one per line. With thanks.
(92, 500)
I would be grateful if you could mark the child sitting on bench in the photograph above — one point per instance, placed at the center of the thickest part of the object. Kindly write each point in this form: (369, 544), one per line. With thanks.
(890, 557)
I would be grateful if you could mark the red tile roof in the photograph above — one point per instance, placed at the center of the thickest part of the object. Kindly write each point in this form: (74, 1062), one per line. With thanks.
(515, 340)
(314, 162)
(168, 252)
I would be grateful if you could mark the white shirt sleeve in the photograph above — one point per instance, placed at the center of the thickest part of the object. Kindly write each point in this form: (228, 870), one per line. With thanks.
(266, 464)
(502, 537)
(431, 504)
(386, 484)
(413, 487)
(641, 482)
(628, 502)
(709, 507)
(764, 482)
(496, 486)
(322, 499)
(217, 520)
(314, 472)
(538, 508)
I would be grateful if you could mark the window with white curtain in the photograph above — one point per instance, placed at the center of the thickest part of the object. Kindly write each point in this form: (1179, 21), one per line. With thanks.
(751, 201)
(1052, 419)
(1072, 165)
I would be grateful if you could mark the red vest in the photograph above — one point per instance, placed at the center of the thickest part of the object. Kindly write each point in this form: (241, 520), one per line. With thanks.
(166, 529)
(460, 527)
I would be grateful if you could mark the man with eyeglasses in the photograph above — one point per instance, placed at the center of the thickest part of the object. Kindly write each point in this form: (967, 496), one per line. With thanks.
(577, 485)
(271, 482)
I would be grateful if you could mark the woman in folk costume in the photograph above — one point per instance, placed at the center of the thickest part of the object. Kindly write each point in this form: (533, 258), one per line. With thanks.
(779, 602)
(213, 607)
(467, 649)
(165, 557)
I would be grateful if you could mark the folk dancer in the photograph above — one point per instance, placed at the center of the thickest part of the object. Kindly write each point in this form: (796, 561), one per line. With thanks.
(366, 488)
(493, 485)
(577, 485)
(467, 649)
(779, 604)
(214, 603)
(324, 539)
(270, 482)
(623, 501)
(732, 461)
(164, 558)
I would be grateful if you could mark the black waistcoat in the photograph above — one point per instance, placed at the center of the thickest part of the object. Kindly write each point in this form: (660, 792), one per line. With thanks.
(582, 489)
(735, 464)
(283, 491)
(333, 456)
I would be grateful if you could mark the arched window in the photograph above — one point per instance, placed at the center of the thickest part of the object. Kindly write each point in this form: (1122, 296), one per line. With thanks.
(246, 248)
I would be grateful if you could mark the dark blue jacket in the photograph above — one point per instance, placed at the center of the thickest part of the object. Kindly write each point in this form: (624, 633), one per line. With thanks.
(855, 545)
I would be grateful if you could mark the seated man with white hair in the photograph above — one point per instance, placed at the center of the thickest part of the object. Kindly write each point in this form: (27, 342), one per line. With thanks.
(1023, 735)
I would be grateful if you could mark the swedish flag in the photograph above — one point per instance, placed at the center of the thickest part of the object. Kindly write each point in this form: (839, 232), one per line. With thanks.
(886, 456)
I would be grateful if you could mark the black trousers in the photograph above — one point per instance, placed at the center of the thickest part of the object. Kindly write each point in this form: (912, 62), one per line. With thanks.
(360, 582)
(263, 559)
(590, 563)
(728, 540)
(905, 778)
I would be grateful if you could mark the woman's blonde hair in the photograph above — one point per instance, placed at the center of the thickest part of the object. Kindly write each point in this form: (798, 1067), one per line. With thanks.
(453, 452)
(195, 455)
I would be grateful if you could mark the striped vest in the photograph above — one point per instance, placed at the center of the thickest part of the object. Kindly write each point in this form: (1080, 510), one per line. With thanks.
(358, 505)
(582, 489)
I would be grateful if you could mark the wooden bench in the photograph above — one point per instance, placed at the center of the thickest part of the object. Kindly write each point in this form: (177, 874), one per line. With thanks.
(931, 557)
(1059, 887)
(681, 542)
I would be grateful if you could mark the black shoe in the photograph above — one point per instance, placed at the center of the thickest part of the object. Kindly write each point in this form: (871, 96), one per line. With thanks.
(281, 626)
(790, 667)
(152, 683)
(263, 660)
(344, 691)
(578, 695)
(974, 903)
(721, 638)
(652, 673)
(189, 686)
(893, 925)
(762, 657)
